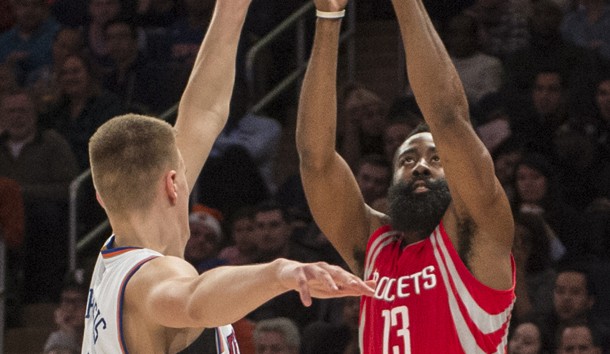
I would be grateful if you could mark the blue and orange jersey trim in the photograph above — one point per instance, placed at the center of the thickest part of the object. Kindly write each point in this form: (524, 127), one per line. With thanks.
(108, 251)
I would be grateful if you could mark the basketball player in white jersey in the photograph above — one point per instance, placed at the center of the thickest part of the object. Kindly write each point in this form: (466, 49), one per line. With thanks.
(144, 297)
(442, 257)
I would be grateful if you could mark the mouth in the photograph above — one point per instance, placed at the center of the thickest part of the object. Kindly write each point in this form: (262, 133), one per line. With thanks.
(420, 186)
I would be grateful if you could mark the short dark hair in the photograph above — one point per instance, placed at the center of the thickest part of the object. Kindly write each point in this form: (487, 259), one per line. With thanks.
(420, 128)
(596, 332)
(272, 205)
(575, 267)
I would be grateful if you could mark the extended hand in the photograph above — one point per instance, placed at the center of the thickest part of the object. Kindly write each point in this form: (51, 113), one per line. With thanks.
(322, 280)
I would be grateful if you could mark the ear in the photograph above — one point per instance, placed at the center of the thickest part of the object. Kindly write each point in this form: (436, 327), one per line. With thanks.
(99, 200)
(171, 188)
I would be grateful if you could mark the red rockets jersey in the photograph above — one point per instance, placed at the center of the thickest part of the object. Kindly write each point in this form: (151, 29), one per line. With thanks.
(427, 301)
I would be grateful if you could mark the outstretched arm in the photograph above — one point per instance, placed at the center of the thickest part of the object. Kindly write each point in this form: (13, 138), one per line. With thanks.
(330, 187)
(204, 107)
(169, 291)
(476, 193)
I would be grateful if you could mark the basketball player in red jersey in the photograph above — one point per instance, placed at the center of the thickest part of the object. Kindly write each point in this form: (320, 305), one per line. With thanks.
(442, 257)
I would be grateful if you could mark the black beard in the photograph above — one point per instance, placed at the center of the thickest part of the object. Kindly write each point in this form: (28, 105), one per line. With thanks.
(418, 213)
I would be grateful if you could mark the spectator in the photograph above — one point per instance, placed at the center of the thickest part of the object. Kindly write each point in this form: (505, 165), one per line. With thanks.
(69, 317)
(547, 49)
(544, 113)
(373, 174)
(43, 82)
(588, 26)
(481, 74)
(27, 45)
(132, 76)
(574, 295)
(580, 338)
(538, 191)
(273, 236)
(241, 226)
(506, 156)
(206, 238)
(363, 116)
(43, 164)
(258, 135)
(535, 275)
(82, 107)
(502, 25)
(100, 13)
(396, 132)
(277, 335)
(529, 337)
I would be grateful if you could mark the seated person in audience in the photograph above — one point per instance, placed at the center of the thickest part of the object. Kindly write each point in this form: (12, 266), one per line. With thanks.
(481, 74)
(574, 296)
(273, 237)
(362, 119)
(548, 49)
(206, 238)
(278, 335)
(506, 156)
(100, 12)
(529, 337)
(69, 317)
(43, 81)
(132, 76)
(502, 25)
(43, 164)
(241, 227)
(588, 26)
(257, 134)
(27, 45)
(535, 275)
(537, 191)
(373, 175)
(580, 338)
(82, 107)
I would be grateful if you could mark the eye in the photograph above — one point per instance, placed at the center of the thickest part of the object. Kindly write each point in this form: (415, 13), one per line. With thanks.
(404, 160)
(435, 158)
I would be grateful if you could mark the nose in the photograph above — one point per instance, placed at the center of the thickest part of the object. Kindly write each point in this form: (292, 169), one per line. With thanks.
(421, 168)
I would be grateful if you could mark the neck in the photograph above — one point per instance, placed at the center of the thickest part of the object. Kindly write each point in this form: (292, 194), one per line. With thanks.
(142, 229)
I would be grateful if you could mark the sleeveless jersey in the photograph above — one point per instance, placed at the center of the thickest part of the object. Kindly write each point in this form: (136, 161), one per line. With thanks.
(427, 301)
(104, 317)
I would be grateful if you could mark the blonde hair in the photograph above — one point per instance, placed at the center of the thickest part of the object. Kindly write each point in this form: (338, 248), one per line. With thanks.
(128, 155)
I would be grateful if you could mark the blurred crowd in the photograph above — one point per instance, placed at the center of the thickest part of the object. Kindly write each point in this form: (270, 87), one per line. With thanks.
(537, 77)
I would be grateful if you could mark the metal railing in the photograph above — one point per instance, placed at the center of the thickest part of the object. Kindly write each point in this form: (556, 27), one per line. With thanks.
(296, 19)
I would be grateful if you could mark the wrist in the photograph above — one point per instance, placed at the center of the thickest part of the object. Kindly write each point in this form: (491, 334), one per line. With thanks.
(330, 15)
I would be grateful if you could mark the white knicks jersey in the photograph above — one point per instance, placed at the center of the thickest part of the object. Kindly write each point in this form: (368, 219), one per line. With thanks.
(114, 268)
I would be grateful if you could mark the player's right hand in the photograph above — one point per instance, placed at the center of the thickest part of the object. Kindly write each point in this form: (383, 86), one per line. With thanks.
(321, 280)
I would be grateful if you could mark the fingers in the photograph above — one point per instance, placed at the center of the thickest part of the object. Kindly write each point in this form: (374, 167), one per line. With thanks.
(324, 281)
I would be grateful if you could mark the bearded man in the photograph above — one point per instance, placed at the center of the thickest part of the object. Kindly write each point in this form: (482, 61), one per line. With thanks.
(442, 257)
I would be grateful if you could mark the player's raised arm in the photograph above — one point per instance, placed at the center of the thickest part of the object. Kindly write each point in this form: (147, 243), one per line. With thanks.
(174, 296)
(468, 166)
(204, 106)
(330, 187)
